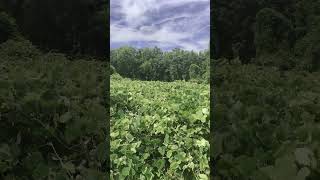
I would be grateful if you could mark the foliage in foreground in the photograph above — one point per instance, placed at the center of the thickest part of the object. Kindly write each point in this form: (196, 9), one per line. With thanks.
(52, 115)
(159, 130)
(266, 124)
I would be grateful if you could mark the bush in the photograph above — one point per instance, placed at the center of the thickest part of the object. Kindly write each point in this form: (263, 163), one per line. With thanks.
(307, 47)
(194, 71)
(8, 27)
(273, 33)
(18, 50)
(53, 116)
(266, 126)
(116, 76)
(53, 57)
(112, 69)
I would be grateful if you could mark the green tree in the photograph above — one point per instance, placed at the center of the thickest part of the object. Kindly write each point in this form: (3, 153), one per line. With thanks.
(272, 37)
(153, 64)
(8, 27)
(194, 71)
(146, 70)
(73, 27)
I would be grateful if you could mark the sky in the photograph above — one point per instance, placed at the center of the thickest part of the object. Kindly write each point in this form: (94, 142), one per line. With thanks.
(167, 24)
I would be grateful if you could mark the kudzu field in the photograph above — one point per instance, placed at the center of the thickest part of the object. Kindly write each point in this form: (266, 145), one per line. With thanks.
(52, 115)
(266, 124)
(159, 130)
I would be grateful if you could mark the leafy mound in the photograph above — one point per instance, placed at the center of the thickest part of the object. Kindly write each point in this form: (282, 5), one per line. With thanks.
(265, 124)
(159, 130)
(53, 116)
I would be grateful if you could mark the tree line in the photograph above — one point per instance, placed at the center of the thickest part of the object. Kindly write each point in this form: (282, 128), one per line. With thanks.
(155, 64)
(72, 27)
(268, 32)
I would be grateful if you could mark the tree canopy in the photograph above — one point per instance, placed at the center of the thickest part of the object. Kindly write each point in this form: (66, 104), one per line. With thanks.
(254, 29)
(71, 27)
(154, 64)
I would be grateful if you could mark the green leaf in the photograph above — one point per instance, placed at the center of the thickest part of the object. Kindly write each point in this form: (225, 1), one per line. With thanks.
(160, 164)
(125, 171)
(92, 174)
(73, 131)
(284, 168)
(202, 143)
(205, 111)
(203, 177)
(146, 155)
(303, 174)
(102, 152)
(174, 165)
(69, 167)
(180, 156)
(65, 117)
(161, 150)
(114, 134)
(304, 156)
(169, 153)
(41, 171)
(246, 165)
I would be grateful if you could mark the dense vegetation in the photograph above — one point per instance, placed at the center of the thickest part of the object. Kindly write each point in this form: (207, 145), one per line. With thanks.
(53, 115)
(265, 124)
(284, 34)
(265, 96)
(265, 90)
(159, 114)
(154, 64)
(159, 130)
(73, 27)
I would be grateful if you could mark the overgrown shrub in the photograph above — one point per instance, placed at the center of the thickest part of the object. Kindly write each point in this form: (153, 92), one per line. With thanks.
(266, 126)
(54, 57)
(112, 69)
(307, 47)
(18, 50)
(8, 27)
(53, 115)
(273, 35)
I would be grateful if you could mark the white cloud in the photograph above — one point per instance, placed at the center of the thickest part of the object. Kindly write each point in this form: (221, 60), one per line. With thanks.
(137, 25)
(178, 2)
(125, 34)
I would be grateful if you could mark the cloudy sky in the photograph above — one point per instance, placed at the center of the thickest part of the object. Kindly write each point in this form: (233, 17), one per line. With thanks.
(166, 24)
